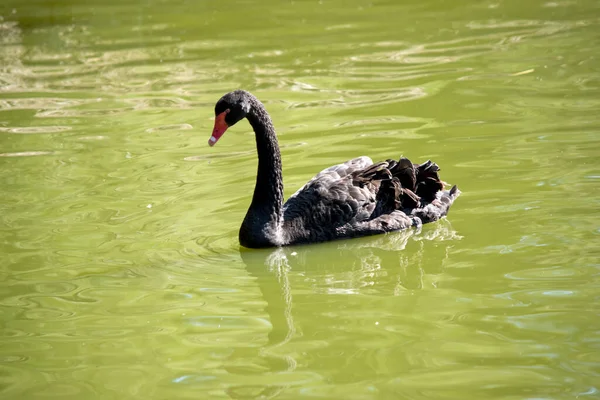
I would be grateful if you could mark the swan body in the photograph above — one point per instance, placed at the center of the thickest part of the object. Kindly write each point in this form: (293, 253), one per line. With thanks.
(352, 199)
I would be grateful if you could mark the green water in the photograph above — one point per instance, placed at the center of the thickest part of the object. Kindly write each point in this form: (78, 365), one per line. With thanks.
(121, 272)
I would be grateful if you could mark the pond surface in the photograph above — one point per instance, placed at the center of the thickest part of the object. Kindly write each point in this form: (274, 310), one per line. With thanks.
(122, 276)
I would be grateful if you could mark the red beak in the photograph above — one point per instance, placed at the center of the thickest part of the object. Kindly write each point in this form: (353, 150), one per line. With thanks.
(219, 129)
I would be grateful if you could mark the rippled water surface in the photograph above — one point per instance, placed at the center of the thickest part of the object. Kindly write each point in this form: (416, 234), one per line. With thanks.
(121, 272)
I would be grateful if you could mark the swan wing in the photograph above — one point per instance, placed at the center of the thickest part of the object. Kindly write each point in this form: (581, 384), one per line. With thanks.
(333, 198)
(358, 197)
(338, 171)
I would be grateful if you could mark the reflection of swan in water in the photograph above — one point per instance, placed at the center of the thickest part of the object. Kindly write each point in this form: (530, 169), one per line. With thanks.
(364, 264)
(358, 260)
(274, 285)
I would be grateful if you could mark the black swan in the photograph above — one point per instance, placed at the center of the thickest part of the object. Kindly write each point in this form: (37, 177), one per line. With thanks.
(356, 198)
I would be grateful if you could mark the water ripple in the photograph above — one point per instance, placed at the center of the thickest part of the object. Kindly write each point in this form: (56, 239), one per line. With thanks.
(36, 129)
(27, 153)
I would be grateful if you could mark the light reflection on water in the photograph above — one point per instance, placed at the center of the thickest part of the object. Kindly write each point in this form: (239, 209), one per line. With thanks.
(123, 274)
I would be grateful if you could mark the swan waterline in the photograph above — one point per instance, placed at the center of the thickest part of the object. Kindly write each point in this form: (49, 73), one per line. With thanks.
(352, 199)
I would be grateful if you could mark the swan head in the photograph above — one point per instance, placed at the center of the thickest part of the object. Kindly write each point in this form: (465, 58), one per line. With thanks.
(230, 109)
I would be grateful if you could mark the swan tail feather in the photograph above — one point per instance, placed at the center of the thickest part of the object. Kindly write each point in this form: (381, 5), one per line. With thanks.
(438, 207)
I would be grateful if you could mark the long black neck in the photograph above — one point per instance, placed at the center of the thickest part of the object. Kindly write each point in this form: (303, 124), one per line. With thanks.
(262, 224)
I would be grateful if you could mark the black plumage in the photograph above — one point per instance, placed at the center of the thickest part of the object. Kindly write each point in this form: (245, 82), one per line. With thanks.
(355, 198)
